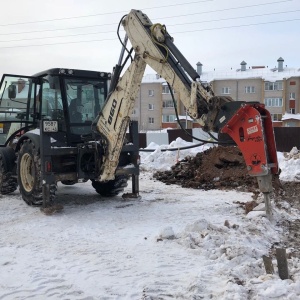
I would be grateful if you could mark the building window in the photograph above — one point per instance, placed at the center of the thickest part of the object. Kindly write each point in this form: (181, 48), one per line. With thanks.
(273, 86)
(290, 124)
(293, 96)
(168, 118)
(293, 83)
(292, 111)
(279, 85)
(168, 103)
(151, 120)
(273, 102)
(226, 90)
(150, 106)
(292, 103)
(276, 117)
(249, 89)
(165, 89)
(150, 93)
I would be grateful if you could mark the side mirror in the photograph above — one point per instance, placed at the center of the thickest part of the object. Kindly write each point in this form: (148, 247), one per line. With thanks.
(12, 91)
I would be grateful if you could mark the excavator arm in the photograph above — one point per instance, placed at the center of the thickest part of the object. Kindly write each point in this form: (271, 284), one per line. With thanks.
(248, 124)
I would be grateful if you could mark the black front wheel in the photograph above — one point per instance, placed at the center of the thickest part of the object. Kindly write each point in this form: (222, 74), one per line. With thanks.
(112, 187)
(29, 175)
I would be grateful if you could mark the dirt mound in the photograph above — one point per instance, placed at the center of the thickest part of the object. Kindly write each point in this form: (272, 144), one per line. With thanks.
(216, 168)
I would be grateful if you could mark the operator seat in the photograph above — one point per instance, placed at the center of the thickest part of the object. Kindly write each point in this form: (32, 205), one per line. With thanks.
(75, 114)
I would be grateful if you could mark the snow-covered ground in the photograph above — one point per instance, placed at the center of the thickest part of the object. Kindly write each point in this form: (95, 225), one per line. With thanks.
(173, 243)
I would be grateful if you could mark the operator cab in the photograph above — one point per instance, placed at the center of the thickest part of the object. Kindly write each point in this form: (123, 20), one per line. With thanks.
(73, 98)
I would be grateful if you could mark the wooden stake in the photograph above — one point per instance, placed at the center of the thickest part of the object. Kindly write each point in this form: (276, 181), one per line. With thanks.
(268, 264)
(282, 263)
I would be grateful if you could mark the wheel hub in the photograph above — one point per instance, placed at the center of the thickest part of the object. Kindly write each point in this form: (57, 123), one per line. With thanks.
(27, 172)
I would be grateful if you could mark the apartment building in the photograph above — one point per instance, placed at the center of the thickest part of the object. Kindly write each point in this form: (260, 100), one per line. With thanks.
(154, 106)
(278, 88)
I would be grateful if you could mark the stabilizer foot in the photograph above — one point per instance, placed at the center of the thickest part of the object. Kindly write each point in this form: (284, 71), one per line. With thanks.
(135, 196)
(52, 209)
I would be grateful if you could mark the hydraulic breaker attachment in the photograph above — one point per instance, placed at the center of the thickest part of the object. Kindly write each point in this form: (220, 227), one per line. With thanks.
(251, 129)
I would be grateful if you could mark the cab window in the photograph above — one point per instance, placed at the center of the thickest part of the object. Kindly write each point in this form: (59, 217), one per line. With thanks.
(16, 105)
(52, 107)
(15, 94)
(85, 99)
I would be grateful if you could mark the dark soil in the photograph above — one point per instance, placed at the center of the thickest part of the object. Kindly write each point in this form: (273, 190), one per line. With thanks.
(216, 168)
(224, 168)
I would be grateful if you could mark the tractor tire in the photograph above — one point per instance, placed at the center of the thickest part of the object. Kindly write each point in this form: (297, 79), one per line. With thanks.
(8, 182)
(68, 182)
(111, 188)
(29, 175)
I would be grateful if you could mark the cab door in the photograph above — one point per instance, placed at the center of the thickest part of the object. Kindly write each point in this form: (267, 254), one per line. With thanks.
(18, 106)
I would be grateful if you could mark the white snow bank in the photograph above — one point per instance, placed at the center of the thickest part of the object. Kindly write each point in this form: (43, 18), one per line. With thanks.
(289, 163)
(163, 160)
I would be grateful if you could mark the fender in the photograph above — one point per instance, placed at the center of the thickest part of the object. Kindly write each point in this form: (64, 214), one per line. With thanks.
(35, 138)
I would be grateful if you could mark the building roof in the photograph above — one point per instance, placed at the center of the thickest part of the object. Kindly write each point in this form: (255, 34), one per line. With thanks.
(266, 74)
(188, 118)
(255, 72)
(288, 116)
(153, 78)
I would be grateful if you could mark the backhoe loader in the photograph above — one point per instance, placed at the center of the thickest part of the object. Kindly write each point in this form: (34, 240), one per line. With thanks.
(71, 125)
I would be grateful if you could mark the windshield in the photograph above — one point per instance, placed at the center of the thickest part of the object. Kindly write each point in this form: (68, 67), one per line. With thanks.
(85, 99)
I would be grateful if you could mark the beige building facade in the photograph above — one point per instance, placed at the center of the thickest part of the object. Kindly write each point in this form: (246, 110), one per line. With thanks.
(154, 106)
(278, 88)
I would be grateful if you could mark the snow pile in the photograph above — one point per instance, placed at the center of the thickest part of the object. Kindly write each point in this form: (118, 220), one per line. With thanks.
(234, 253)
(294, 153)
(289, 163)
(160, 160)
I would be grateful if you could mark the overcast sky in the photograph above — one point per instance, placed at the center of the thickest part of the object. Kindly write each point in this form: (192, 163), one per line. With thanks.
(37, 35)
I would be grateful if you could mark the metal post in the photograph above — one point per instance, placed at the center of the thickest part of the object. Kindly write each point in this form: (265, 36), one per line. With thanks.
(135, 184)
(47, 177)
(265, 186)
(45, 146)
(46, 194)
(268, 206)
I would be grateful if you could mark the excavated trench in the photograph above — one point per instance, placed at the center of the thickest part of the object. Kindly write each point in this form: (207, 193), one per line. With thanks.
(224, 168)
